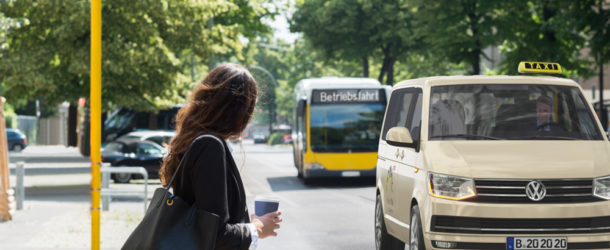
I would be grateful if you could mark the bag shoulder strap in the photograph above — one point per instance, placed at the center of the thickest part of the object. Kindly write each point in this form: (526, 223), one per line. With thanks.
(224, 156)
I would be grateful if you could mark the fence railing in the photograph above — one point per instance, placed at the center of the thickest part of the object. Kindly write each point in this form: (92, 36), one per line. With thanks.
(107, 192)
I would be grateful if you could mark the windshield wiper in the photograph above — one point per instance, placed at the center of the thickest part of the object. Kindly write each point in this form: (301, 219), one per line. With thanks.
(543, 137)
(471, 136)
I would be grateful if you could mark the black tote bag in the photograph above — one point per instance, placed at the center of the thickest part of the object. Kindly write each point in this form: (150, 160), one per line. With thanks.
(171, 223)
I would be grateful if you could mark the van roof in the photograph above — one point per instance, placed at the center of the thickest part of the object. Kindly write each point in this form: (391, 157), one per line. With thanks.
(480, 79)
(338, 82)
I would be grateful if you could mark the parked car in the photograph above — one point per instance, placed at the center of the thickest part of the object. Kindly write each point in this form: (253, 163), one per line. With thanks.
(131, 153)
(160, 137)
(17, 141)
(260, 138)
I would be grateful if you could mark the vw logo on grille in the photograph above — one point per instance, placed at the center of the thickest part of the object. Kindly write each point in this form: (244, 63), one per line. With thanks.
(535, 190)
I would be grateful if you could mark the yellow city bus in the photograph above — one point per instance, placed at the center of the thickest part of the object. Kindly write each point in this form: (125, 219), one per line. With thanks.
(337, 122)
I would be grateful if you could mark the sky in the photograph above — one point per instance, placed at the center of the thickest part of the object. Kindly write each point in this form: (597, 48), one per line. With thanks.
(280, 25)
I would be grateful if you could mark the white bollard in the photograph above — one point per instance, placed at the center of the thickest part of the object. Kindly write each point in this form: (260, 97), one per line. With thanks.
(20, 191)
(105, 185)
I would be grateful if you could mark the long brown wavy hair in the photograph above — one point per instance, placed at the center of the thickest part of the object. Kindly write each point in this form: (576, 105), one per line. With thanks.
(222, 105)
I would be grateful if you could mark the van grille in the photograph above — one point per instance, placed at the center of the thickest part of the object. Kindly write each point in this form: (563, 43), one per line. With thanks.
(513, 191)
(453, 224)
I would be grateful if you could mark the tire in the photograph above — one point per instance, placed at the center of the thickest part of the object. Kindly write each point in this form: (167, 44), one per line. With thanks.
(121, 178)
(383, 240)
(416, 239)
(307, 180)
(17, 148)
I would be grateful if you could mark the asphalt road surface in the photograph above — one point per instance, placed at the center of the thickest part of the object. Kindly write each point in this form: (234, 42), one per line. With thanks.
(328, 214)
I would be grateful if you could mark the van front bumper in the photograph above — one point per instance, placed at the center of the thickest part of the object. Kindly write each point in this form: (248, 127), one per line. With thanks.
(475, 225)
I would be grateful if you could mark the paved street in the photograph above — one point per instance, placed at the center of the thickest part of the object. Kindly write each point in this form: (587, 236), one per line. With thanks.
(329, 214)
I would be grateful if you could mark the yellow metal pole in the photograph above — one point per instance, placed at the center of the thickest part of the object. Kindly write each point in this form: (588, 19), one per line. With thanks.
(96, 130)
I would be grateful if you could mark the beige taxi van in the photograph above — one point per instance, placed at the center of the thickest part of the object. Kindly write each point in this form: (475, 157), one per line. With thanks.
(492, 162)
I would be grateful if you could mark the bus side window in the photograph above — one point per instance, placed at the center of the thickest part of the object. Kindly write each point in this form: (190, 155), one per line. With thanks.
(300, 122)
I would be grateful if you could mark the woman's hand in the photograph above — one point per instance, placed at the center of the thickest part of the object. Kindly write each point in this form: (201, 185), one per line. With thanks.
(266, 224)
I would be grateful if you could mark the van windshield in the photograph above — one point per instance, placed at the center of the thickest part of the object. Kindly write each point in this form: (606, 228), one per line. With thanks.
(510, 112)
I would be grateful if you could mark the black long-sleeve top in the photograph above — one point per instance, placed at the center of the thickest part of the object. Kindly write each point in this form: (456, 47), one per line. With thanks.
(206, 182)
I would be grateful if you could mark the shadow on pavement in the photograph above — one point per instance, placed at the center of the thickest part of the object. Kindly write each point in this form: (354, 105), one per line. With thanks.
(292, 183)
(68, 193)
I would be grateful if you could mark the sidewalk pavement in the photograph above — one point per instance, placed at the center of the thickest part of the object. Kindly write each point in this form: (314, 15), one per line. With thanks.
(56, 212)
(65, 223)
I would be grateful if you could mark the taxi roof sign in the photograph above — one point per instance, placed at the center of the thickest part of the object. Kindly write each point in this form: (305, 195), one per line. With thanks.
(539, 67)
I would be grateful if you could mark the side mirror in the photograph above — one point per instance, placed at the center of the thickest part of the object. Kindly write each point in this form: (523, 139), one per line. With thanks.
(400, 137)
(301, 107)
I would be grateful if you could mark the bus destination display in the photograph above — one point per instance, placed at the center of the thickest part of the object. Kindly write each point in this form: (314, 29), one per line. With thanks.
(327, 96)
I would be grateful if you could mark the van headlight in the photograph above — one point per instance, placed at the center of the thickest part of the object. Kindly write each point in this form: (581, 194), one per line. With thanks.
(601, 187)
(450, 187)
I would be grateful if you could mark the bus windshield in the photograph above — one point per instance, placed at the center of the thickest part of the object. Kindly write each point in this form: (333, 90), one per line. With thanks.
(346, 127)
(510, 112)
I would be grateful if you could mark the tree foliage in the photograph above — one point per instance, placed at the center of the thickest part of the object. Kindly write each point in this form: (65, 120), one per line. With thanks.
(357, 30)
(592, 17)
(144, 44)
(446, 35)
(459, 30)
(544, 30)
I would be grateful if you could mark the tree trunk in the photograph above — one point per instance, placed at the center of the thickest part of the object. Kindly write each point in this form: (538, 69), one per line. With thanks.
(390, 72)
(383, 70)
(365, 66)
(602, 109)
(476, 60)
(476, 51)
(72, 122)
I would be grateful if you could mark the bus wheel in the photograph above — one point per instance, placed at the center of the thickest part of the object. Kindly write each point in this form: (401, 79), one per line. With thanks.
(300, 172)
(383, 240)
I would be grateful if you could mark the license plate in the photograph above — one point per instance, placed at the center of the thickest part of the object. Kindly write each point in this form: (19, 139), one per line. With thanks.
(536, 243)
(350, 173)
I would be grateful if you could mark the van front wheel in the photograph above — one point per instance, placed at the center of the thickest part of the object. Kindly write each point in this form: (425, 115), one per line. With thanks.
(416, 239)
(383, 240)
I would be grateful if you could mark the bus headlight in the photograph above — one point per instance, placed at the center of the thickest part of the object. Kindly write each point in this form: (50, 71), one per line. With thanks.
(314, 165)
(601, 187)
(450, 187)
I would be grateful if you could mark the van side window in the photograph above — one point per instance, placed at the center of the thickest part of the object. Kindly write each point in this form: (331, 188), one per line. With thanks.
(404, 110)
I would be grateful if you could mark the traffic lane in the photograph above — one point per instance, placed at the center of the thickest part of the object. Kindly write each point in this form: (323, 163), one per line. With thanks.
(329, 214)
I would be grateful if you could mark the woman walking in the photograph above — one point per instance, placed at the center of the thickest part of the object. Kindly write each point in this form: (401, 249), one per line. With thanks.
(221, 106)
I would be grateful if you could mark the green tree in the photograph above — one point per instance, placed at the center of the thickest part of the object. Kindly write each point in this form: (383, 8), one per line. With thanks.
(357, 30)
(336, 29)
(144, 45)
(288, 64)
(592, 17)
(544, 30)
(459, 30)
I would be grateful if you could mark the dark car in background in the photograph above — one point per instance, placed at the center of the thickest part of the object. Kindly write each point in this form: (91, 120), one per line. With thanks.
(125, 120)
(259, 138)
(133, 153)
(17, 141)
